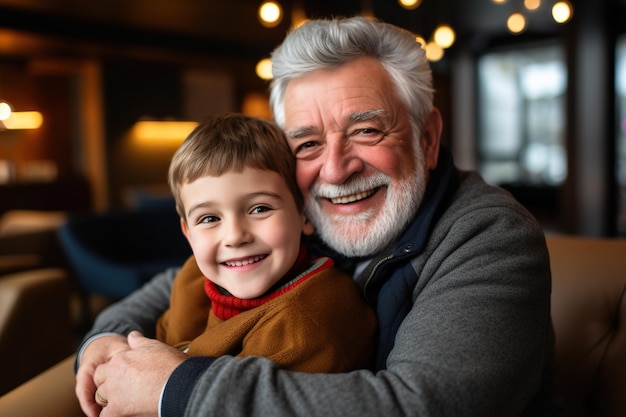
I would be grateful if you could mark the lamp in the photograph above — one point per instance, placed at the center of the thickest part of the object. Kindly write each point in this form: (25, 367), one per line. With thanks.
(162, 131)
(5, 110)
(22, 120)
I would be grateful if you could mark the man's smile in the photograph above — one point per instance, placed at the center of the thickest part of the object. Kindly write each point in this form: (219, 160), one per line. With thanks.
(352, 197)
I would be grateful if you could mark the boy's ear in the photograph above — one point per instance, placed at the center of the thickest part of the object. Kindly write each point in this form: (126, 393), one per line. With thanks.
(184, 228)
(307, 227)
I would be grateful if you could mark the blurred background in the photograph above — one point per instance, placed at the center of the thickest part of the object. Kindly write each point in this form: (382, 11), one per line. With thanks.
(95, 96)
(532, 99)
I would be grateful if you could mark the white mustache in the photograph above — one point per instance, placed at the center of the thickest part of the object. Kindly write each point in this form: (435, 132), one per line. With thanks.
(353, 190)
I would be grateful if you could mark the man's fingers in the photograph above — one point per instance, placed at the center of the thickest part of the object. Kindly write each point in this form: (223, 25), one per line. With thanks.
(100, 397)
(86, 399)
(135, 339)
(99, 375)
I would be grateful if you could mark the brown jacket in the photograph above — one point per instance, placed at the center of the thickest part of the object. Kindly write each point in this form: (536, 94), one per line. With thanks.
(321, 325)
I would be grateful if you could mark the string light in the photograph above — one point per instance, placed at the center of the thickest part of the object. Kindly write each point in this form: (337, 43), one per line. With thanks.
(410, 4)
(264, 69)
(444, 36)
(532, 4)
(516, 23)
(270, 14)
(434, 52)
(561, 12)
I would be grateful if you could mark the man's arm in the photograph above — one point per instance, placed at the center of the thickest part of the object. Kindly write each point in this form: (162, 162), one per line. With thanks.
(137, 312)
(475, 342)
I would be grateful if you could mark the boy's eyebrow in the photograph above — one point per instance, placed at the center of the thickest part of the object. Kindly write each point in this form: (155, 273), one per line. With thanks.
(358, 116)
(197, 206)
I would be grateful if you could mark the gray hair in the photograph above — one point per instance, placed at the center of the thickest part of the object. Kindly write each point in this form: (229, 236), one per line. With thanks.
(323, 44)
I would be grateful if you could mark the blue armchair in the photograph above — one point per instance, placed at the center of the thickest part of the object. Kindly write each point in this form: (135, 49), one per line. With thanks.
(114, 253)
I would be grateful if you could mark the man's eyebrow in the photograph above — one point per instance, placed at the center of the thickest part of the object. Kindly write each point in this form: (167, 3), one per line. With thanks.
(358, 116)
(300, 132)
(365, 115)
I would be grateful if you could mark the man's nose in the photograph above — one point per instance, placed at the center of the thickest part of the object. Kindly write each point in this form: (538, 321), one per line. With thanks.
(340, 161)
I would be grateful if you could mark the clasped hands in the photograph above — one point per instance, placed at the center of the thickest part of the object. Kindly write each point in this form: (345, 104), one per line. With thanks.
(124, 376)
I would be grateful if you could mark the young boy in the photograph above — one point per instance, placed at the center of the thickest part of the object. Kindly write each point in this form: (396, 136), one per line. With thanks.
(249, 288)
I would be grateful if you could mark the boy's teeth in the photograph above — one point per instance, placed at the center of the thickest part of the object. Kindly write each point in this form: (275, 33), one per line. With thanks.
(244, 262)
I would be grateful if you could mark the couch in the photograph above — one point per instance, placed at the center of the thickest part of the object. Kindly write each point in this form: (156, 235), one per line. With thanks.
(588, 308)
(589, 313)
(36, 329)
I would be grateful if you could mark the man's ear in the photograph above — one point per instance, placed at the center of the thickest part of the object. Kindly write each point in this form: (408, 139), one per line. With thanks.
(307, 227)
(431, 138)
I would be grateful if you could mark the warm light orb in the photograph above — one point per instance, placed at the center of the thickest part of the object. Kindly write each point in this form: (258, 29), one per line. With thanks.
(444, 36)
(434, 52)
(410, 4)
(532, 4)
(270, 14)
(420, 39)
(5, 110)
(162, 131)
(264, 69)
(20, 120)
(516, 23)
(561, 12)
(499, 1)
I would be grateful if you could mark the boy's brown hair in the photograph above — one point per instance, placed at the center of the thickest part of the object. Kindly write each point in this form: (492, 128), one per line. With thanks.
(232, 142)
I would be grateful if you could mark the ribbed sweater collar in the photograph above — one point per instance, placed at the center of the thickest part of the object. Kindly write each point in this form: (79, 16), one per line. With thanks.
(225, 305)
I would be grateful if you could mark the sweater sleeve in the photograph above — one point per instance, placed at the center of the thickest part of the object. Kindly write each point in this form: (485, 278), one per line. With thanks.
(138, 311)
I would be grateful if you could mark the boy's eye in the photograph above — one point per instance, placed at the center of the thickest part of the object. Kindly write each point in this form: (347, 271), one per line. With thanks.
(260, 209)
(209, 219)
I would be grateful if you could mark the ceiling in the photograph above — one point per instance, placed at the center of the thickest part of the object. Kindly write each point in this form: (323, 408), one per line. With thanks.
(221, 28)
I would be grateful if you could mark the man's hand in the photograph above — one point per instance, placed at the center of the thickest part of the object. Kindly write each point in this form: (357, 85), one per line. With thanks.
(130, 382)
(97, 352)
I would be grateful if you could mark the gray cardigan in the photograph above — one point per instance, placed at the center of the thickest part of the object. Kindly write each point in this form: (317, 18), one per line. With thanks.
(476, 340)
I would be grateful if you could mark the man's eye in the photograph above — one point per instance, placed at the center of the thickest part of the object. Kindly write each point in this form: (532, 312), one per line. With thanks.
(369, 131)
(308, 150)
(367, 136)
(305, 146)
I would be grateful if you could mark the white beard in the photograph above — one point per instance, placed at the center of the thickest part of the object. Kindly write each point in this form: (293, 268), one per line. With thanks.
(368, 232)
